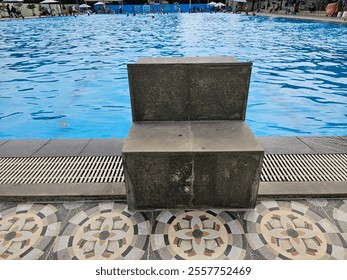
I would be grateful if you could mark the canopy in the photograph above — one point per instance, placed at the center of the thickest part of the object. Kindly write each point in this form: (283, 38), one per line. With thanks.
(49, 2)
(13, 1)
(84, 6)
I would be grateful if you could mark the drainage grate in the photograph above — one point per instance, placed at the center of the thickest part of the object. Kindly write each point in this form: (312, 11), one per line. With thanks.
(46, 170)
(109, 169)
(304, 168)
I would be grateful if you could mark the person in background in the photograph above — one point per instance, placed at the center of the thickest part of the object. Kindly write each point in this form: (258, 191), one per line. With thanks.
(312, 7)
(8, 10)
(16, 13)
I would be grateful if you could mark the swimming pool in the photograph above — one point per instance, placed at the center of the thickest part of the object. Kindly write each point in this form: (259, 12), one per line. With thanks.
(66, 77)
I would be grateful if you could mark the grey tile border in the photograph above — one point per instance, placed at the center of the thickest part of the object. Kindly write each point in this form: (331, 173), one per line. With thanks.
(326, 144)
(111, 147)
(21, 148)
(103, 147)
(284, 145)
(62, 192)
(294, 190)
(116, 191)
(62, 147)
(3, 142)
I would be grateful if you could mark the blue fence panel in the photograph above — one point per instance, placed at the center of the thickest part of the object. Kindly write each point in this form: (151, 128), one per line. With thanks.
(155, 8)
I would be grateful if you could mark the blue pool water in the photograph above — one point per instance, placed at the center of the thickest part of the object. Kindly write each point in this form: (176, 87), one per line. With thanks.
(66, 77)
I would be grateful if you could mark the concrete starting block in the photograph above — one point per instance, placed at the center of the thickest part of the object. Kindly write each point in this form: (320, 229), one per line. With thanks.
(189, 146)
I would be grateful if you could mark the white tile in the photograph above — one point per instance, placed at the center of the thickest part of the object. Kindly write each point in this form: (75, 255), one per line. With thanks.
(299, 207)
(143, 228)
(236, 253)
(62, 243)
(52, 229)
(340, 215)
(33, 255)
(328, 227)
(269, 204)
(339, 253)
(24, 207)
(235, 227)
(134, 254)
(252, 216)
(47, 210)
(106, 206)
(165, 216)
(254, 240)
(158, 242)
(318, 202)
(78, 218)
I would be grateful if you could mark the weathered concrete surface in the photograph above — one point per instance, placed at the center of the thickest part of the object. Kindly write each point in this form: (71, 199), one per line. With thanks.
(182, 89)
(206, 164)
(189, 146)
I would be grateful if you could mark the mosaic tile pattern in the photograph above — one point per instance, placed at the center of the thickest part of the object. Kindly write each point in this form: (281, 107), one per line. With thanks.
(290, 230)
(106, 231)
(303, 229)
(340, 217)
(198, 235)
(27, 231)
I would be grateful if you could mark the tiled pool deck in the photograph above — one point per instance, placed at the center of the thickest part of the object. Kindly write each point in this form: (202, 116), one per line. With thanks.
(304, 228)
(306, 15)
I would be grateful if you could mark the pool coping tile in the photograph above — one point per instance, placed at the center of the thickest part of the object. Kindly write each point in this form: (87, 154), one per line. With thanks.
(103, 147)
(21, 148)
(62, 147)
(284, 145)
(326, 144)
(113, 146)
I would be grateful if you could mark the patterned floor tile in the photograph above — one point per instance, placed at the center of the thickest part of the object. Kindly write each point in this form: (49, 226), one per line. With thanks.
(27, 231)
(318, 202)
(105, 231)
(72, 205)
(291, 230)
(196, 235)
(340, 216)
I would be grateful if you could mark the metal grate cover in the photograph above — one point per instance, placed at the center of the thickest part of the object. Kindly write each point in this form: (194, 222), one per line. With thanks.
(45, 170)
(109, 169)
(304, 168)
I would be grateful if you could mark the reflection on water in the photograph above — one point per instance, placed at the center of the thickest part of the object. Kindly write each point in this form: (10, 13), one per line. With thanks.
(67, 77)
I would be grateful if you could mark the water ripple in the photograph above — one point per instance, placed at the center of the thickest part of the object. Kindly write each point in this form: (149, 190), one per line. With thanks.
(73, 71)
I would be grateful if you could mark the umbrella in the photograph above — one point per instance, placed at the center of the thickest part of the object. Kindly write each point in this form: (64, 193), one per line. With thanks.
(84, 6)
(243, 1)
(212, 3)
(13, 1)
(219, 4)
(99, 3)
(49, 2)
